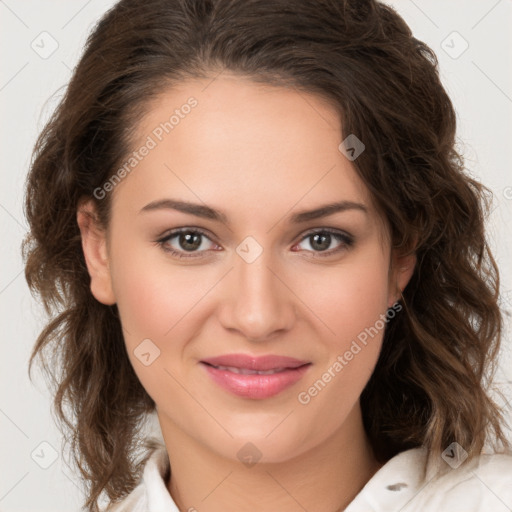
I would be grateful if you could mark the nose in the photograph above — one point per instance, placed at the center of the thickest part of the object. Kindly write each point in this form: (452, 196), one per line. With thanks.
(257, 303)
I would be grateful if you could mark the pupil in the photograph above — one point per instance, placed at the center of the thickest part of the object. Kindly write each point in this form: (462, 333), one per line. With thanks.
(322, 240)
(190, 241)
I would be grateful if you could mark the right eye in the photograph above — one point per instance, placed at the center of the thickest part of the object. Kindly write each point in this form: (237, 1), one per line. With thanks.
(185, 243)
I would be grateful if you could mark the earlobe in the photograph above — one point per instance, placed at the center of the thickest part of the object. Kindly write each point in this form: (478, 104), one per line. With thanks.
(94, 246)
(403, 269)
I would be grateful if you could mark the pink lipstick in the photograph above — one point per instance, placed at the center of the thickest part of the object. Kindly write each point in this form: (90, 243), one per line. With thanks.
(255, 377)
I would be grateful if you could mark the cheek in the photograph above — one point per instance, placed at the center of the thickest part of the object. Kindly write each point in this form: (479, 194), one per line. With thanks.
(146, 304)
(160, 301)
(347, 298)
(351, 302)
(156, 305)
(152, 295)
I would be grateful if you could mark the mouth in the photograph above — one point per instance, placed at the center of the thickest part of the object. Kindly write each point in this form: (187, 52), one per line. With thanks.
(247, 371)
(255, 377)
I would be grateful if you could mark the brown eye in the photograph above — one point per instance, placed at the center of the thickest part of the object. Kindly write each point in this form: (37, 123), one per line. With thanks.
(183, 241)
(322, 241)
(189, 241)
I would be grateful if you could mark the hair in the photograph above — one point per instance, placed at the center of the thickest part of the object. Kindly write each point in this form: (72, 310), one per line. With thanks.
(429, 386)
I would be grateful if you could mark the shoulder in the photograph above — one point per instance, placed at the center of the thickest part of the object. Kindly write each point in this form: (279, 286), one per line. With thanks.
(405, 483)
(151, 494)
(135, 502)
(484, 484)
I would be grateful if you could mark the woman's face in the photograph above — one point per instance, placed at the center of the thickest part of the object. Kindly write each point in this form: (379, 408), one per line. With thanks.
(256, 276)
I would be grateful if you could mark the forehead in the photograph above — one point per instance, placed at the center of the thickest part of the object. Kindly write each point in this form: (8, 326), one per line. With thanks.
(231, 141)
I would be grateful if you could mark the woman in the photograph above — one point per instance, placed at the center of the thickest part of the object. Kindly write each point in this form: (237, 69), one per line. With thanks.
(251, 220)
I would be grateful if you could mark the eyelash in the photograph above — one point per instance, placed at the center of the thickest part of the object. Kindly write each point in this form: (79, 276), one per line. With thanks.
(346, 240)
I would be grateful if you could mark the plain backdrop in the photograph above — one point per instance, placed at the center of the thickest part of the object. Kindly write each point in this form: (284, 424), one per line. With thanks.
(40, 43)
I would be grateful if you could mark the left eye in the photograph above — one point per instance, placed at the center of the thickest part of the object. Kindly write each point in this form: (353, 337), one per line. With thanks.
(188, 241)
(320, 241)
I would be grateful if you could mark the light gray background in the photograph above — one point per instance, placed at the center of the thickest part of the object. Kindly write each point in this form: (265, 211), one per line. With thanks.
(479, 81)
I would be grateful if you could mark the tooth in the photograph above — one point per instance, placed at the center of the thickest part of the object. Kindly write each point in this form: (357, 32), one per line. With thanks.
(247, 371)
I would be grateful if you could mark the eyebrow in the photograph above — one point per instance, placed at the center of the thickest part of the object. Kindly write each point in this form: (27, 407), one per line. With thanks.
(206, 212)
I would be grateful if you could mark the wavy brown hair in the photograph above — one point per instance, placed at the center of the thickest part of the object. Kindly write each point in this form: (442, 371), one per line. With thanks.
(430, 383)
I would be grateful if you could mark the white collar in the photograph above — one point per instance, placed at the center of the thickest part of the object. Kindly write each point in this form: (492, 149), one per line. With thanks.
(403, 483)
(392, 486)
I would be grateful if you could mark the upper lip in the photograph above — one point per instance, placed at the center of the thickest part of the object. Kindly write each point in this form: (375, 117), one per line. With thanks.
(259, 363)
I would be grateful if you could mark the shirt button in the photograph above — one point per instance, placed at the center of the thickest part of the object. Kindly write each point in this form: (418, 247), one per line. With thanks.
(396, 487)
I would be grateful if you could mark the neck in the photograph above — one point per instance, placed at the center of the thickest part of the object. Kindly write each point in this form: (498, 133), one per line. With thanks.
(326, 478)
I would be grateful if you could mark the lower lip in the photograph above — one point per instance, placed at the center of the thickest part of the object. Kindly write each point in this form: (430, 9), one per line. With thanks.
(256, 386)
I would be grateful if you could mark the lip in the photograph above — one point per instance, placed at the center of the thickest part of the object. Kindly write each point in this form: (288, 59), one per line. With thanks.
(257, 363)
(287, 371)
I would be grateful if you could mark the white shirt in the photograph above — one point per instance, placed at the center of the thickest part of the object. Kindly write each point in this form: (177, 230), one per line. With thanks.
(400, 485)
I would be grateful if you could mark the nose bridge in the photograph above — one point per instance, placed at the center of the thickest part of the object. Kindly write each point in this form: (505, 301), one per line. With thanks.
(258, 303)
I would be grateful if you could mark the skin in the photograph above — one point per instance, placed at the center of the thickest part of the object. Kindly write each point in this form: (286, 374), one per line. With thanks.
(259, 154)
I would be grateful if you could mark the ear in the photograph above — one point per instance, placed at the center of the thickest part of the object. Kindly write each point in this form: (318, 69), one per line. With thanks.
(94, 245)
(401, 271)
